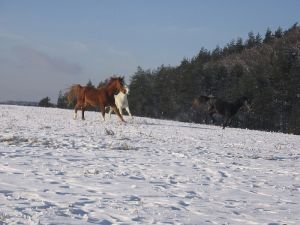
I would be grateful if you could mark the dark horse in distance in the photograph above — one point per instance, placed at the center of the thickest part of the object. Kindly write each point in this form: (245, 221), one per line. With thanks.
(97, 97)
(219, 106)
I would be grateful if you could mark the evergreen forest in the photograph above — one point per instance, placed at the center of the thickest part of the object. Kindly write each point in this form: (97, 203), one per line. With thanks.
(265, 68)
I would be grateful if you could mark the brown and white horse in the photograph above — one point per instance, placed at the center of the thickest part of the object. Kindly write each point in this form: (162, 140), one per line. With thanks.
(97, 97)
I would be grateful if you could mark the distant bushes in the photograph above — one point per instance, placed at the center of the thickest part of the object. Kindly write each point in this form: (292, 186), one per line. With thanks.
(45, 102)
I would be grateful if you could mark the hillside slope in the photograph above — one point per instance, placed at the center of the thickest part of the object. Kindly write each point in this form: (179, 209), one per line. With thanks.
(56, 170)
(266, 71)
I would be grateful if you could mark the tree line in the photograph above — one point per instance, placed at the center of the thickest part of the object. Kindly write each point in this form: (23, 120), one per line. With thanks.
(266, 69)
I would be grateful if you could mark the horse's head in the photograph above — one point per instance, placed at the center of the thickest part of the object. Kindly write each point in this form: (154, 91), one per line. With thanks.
(121, 85)
(118, 84)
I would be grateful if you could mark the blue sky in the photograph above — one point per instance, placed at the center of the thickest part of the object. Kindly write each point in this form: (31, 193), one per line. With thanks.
(45, 46)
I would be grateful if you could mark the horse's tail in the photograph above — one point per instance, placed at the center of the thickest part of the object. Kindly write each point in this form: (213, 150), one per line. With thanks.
(74, 93)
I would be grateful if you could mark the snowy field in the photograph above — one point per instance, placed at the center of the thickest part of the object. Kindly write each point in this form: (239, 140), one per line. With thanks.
(56, 170)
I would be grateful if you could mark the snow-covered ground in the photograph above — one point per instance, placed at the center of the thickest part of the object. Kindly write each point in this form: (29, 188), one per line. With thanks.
(56, 170)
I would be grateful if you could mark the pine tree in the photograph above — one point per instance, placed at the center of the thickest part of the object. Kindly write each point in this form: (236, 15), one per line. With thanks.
(231, 47)
(278, 33)
(239, 45)
(251, 40)
(61, 101)
(89, 84)
(268, 36)
(258, 39)
(216, 53)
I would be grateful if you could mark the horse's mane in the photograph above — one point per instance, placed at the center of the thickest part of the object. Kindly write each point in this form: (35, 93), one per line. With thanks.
(108, 81)
(112, 79)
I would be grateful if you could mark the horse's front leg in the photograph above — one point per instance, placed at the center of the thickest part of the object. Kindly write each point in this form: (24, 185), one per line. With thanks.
(117, 112)
(102, 109)
(227, 121)
(120, 110)
(230, 120)
(127, 109)
(211, 116)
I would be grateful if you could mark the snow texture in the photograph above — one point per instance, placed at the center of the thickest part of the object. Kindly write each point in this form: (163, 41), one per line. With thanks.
(56, 170)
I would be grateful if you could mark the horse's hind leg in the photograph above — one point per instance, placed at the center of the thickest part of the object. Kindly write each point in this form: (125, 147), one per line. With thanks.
(110, 111)
(77, 106)
(102, 109)
(75, 113)
(227, 122)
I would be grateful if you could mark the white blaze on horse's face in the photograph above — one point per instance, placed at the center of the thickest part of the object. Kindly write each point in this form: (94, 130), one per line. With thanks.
(123, 89)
